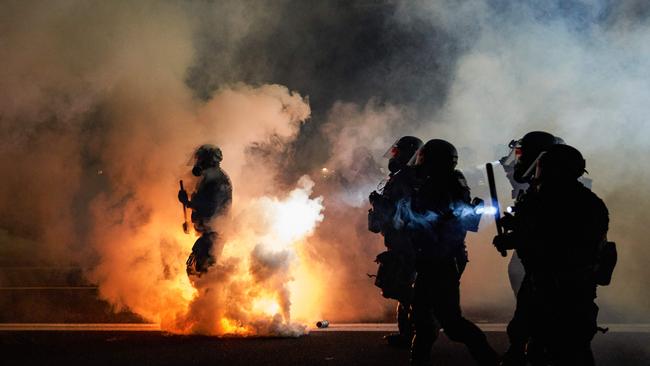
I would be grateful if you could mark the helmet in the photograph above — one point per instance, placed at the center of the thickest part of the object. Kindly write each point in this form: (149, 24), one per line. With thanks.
(438, 155)
(561, 162)
(401, 152)
(528, 150)
(206, 156)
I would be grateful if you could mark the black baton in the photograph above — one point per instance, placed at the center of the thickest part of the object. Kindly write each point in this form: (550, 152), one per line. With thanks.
(495, 202)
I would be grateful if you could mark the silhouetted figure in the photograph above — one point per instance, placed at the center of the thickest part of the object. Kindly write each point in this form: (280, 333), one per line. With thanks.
(211, 198)
(560, 230)
(396, 278)
(519, 167)
(438, 218)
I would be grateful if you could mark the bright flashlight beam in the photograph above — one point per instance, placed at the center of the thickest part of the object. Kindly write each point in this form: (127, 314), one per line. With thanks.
(489, 210)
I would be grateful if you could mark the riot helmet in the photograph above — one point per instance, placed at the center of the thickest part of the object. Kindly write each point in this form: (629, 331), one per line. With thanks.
(206, 156)
(437, 156)
(401, 152)
(528, 150)
(560, 163)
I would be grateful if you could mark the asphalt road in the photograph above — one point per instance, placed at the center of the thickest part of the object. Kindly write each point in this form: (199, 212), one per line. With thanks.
(52, 317)
(328, 348)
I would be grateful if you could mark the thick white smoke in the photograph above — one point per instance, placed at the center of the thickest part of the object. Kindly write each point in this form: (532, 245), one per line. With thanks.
(98, 126)
(569, 73)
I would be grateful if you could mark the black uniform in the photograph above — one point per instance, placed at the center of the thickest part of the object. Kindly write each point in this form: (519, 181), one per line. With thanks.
(519, 329)
(519, 168)
(439, 225)
(397, 265)
(211, 199)
(560, 229)
(398, 187)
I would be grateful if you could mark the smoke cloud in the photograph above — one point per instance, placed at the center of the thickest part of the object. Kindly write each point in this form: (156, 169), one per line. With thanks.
(102, 104)
(577, 72)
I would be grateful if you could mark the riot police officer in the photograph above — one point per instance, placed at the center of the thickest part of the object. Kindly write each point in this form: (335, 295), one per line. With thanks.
(559, 228)
(402, 273)
(440, 216)
(520, 166)
(211, 198)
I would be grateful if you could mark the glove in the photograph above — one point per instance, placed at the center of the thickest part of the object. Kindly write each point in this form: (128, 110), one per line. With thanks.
(182, 197)
(373, 197)
(507, 222)
(477, 202)
(505, 241)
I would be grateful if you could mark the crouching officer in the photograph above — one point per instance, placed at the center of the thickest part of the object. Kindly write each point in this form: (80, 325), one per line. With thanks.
(438, 219)
(211, 198)
(397, 265)
(560, 227)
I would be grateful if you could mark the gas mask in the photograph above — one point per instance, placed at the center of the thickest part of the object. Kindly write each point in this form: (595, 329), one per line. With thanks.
(395, 165)
(201, 164)
(197, 170)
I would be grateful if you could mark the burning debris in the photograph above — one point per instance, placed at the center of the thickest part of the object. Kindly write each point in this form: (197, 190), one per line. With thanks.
(248, 291)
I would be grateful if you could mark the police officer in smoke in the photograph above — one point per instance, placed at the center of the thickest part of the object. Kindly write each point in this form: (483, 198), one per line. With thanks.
(560, 230)
(397, 265)
(438, 217)
(211, 198)
(519, 167)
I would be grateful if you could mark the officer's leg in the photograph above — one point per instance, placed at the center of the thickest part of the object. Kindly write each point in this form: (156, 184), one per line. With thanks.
(446, 305)
(192, 260)
(519, 328)
(404, 319)
(202, 252)
(426, 329)
(567, 352)
(570, 341)
(516, 273)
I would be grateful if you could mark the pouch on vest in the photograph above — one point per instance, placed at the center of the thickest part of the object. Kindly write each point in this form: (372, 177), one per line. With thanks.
(394, 277)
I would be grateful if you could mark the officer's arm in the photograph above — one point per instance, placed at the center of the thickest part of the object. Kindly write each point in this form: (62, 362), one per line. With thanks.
(600, 220)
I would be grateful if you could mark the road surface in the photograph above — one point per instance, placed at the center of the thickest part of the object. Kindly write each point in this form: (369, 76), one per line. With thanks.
(341, 344)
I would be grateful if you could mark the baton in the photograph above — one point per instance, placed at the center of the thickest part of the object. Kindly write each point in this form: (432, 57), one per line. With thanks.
(495, 202)
(185, 229)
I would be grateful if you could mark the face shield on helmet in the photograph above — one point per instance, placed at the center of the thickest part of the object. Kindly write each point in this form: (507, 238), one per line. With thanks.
(392, 151)
(528, 150)
(508, 161)
(401, 152)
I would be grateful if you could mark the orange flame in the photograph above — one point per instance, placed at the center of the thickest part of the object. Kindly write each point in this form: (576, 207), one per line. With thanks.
(261, 275)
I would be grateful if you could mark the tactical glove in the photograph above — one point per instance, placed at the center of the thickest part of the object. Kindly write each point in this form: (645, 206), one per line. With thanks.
(183, 198)
(505, 241)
